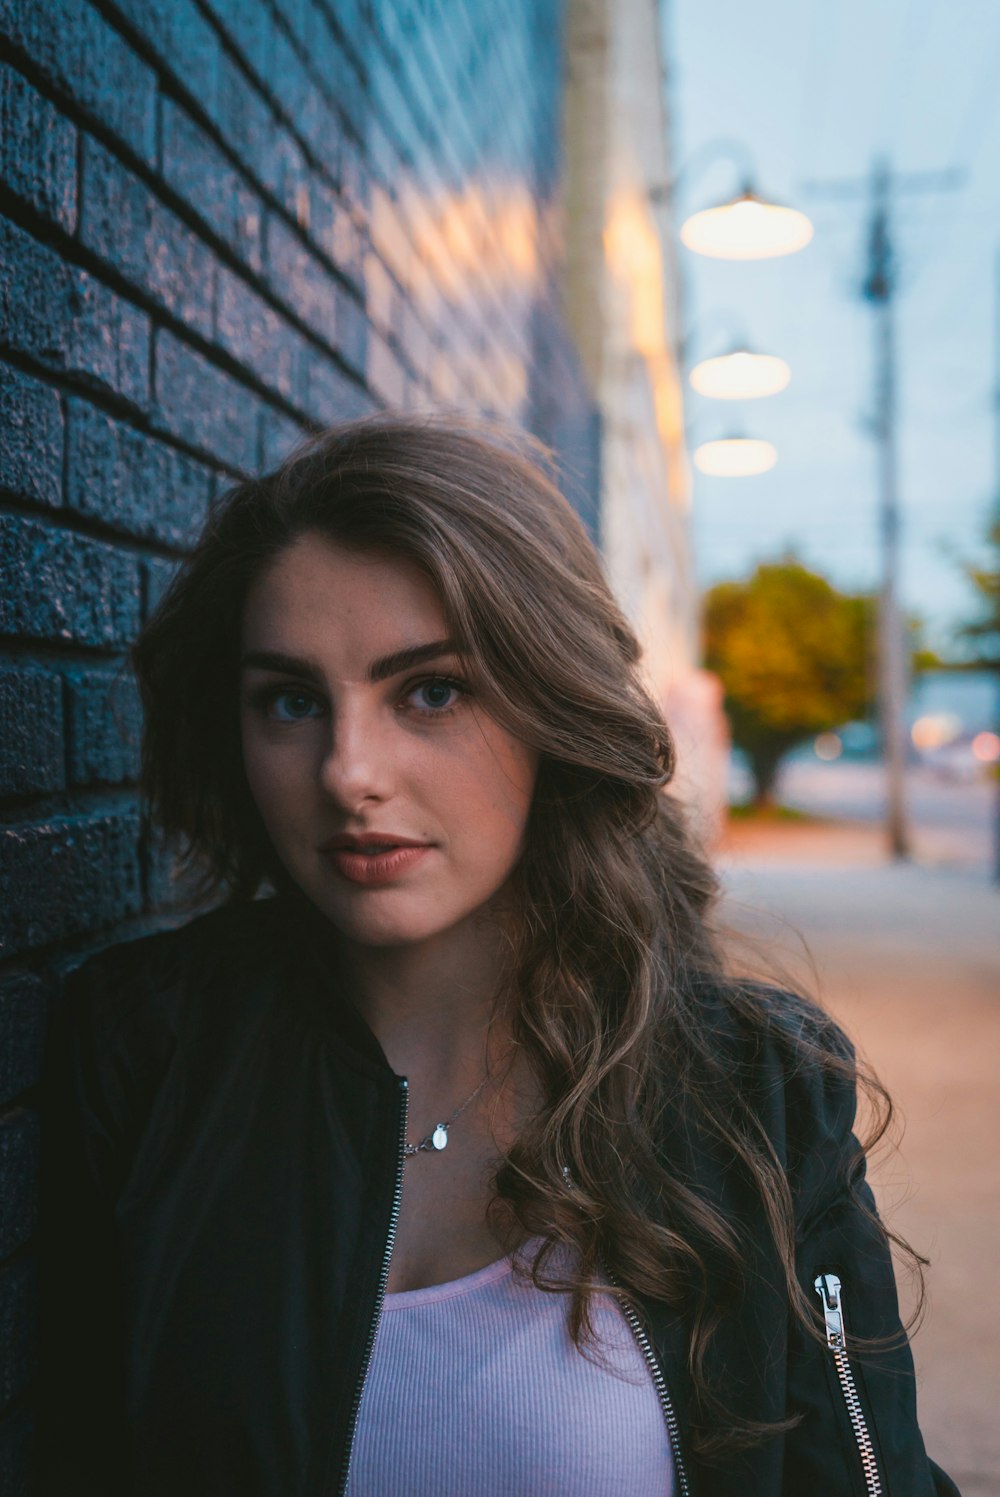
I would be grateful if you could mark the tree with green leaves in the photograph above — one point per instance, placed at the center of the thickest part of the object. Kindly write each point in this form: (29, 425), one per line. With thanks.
(795, 659)
(983, 629)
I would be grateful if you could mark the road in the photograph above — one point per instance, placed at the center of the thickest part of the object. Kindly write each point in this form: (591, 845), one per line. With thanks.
(908, 958)
(951, 822)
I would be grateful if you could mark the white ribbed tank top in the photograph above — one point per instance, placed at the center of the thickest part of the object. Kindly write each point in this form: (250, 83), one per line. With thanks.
(475, 1389)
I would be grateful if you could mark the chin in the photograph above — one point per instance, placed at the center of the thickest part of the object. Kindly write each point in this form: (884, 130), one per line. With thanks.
(378, 919)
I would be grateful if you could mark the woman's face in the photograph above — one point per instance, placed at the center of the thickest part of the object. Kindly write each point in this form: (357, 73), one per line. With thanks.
(359, 726)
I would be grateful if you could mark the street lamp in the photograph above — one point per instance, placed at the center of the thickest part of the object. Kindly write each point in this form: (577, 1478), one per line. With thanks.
(735, 457)
(740, 375)
(746, 227)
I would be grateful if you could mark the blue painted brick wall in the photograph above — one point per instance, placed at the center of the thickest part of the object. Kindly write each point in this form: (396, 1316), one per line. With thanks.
(221, 222)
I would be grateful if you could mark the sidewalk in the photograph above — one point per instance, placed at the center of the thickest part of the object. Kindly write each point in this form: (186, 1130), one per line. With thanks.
(908, 959)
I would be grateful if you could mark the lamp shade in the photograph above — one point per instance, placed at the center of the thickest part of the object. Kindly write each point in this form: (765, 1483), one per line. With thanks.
(735, 457)
(740, 375)
(746, 228)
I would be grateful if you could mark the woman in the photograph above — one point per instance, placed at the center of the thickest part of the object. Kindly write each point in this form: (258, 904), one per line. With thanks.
(454, 1164)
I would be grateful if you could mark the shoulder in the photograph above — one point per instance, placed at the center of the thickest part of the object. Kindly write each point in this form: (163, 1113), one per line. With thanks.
(145, 984)
(788, 1067)
(132, 1015)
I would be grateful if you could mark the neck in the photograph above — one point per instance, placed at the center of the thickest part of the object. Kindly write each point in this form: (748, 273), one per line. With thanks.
(430, 1004)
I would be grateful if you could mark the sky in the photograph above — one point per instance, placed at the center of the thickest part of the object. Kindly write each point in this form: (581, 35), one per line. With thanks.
(816, 90)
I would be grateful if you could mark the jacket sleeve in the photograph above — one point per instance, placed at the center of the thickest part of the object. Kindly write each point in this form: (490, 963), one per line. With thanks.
(862, 1406)
(80, 1443)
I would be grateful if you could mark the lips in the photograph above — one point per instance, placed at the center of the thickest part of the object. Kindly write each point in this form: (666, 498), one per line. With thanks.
(368, 842)
(373, 858)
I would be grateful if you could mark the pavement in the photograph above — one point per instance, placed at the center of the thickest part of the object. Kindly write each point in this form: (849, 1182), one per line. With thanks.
(952, 822)
(907, 957)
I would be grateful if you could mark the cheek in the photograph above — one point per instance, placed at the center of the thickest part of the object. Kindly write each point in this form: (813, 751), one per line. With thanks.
(491, 798)
(273, 775)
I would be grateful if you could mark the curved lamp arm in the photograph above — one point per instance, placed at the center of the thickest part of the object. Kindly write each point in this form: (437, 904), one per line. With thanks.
(702, 156)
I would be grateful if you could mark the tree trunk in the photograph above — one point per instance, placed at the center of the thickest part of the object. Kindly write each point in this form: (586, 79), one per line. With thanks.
(764, 764)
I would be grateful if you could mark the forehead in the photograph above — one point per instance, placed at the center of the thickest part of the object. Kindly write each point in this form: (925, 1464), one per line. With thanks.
(319, 589)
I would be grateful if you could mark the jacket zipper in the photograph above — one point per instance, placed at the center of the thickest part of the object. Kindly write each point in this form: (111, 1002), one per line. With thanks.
(827, 1286)
(659, 1382)
(397, 1200)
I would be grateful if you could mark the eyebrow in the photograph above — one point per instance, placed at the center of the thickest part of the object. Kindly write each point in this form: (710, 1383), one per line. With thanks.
(378, 670)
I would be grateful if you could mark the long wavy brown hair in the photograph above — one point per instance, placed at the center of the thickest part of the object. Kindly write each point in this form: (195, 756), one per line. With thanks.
(614, 952)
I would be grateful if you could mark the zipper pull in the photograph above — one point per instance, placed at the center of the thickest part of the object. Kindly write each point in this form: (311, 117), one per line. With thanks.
(827, 1286)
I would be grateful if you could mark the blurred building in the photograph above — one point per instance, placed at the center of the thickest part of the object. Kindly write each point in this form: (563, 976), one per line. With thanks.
(623, 307)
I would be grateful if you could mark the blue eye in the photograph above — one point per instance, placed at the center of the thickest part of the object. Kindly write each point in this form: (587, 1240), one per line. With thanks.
(296, 699)
(437, 695)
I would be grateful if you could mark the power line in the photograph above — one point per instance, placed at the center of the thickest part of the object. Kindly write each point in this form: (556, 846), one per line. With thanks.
(968, 142)
(982, 102)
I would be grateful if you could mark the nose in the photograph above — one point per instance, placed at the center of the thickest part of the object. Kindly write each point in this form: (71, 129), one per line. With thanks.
(356, 767)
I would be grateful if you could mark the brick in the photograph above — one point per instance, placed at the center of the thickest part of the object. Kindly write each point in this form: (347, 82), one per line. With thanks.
(297, 97)
(255, 335)
(267, 149)
(23, 1015)
(333, 230)
(18, 1327)
(133, 482)
(251, 30)
(31, 746)
(86, 60)
(65, 587)
(385, 373)
(244, 118)
(68, 876)
(104, 727)
(37, 151)
(301, 280)
(316, 91)
(140, 238)
(355, 177)
(61, 316)
(201, 405)
(19, 1134)
(279, 434)
(157, 575)
(381, 293)
(31, 455)
(328, 394)
(412, 337)
(185, 44)
(392, 234)
(350, 17)
(17, 1433)
(383, 159)
(345, 80)
(203, 176)
(352, 333)
(392, 107)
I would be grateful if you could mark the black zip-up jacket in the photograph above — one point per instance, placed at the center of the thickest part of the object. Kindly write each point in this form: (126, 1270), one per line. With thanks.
(221, 1164)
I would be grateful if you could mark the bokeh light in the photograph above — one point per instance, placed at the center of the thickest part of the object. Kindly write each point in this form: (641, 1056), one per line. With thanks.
(747, 228)
(740, 375)
(735, 457)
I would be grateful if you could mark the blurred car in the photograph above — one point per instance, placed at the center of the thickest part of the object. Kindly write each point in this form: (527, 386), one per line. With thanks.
(962, 761)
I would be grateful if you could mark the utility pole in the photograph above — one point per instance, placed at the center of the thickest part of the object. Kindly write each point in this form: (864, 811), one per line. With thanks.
(878, 288)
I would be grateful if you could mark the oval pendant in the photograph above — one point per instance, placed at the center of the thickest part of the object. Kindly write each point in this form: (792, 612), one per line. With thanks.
(439, 1138)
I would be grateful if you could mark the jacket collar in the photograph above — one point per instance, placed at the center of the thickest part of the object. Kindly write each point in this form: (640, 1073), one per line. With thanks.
(306, 943)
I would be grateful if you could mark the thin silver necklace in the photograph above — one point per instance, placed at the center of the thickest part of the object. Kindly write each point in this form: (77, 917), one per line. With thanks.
(437, 1139)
